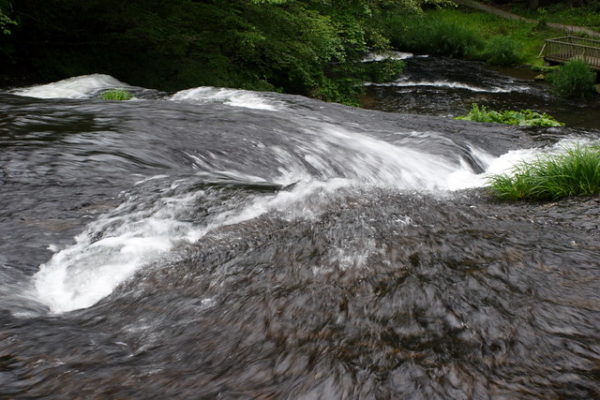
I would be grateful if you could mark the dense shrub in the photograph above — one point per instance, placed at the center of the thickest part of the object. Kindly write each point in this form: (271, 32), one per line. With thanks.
(5, 23)
(422, 35)
(308, 47)
(573, 174)
(502, 50)
(510, 117)
(573, 79)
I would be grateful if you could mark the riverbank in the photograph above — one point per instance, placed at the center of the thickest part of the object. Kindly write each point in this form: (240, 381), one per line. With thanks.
(585, 16)
(584, 20)
(479, 30)
(442, 86)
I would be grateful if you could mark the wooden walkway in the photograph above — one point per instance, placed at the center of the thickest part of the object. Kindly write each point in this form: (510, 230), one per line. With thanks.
(567, 48)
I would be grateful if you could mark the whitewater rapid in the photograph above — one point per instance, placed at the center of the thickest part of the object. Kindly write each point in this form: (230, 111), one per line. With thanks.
(320, 162)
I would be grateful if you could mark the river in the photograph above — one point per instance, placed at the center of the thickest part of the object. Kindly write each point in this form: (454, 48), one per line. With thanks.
(225, 244)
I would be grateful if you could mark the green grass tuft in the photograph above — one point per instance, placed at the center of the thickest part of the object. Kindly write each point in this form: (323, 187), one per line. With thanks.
(573, 79)
(576, 173)
(117, 95)
(519, 118)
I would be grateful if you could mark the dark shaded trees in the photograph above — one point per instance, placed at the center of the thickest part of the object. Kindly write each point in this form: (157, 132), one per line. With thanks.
(290, 45)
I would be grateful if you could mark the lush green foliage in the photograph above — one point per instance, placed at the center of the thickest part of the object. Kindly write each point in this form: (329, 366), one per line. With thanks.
(520, 118)
(422, 34)
(117, 94)
(309, 47)
(526, 39)
(502, 50)
(573, 79)
(5, 21)
(575, 173)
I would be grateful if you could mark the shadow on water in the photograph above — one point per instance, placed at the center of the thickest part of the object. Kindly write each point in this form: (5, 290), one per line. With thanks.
(235, 245)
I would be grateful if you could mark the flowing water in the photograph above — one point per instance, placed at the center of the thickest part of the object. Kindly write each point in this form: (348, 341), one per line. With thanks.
(224, 244)
(448, 87)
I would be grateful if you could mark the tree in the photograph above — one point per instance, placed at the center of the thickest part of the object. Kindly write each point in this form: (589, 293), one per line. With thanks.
(5, 21)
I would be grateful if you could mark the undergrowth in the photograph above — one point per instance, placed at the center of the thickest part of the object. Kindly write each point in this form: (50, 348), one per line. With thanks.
(491, 38)
(576, 173)
(432, 35)
(502, 50)
(510, 117)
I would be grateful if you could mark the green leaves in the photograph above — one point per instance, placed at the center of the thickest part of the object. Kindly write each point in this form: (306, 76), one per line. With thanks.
(510, 117)
(309, 47)
(420, 34)
(5, 23)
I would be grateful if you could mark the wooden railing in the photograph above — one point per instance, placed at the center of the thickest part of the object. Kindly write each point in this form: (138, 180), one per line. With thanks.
(569, 48)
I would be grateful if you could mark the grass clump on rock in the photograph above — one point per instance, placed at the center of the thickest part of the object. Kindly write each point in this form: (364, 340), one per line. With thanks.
(117, 95)
(510, 117)
(576, 173)
(573, 79)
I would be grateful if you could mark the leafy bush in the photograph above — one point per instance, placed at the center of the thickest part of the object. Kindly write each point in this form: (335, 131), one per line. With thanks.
(510, 117)
(296, 46)
(433, 36)
(575, 173)
(5, 23)
(573, 79)
(502, 50)
(117, 94)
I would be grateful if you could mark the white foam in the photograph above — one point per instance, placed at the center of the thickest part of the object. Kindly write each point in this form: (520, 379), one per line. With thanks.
(141, 231)
(151, 178)
(72, 88)
(506, 163)
(373, 162)
(231, 97)
(52, 247)
(86, 272)
(450, 85)
(388, 55)
(82, 274)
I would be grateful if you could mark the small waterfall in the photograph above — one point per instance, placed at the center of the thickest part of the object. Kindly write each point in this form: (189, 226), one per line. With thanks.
(312, 162)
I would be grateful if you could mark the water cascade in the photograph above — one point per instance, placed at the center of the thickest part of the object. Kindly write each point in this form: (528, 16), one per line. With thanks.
(221, 243)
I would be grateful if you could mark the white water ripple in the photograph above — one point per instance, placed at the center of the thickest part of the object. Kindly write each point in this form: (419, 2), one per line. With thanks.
(230, 97)
(450, 85)
(78, 87)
